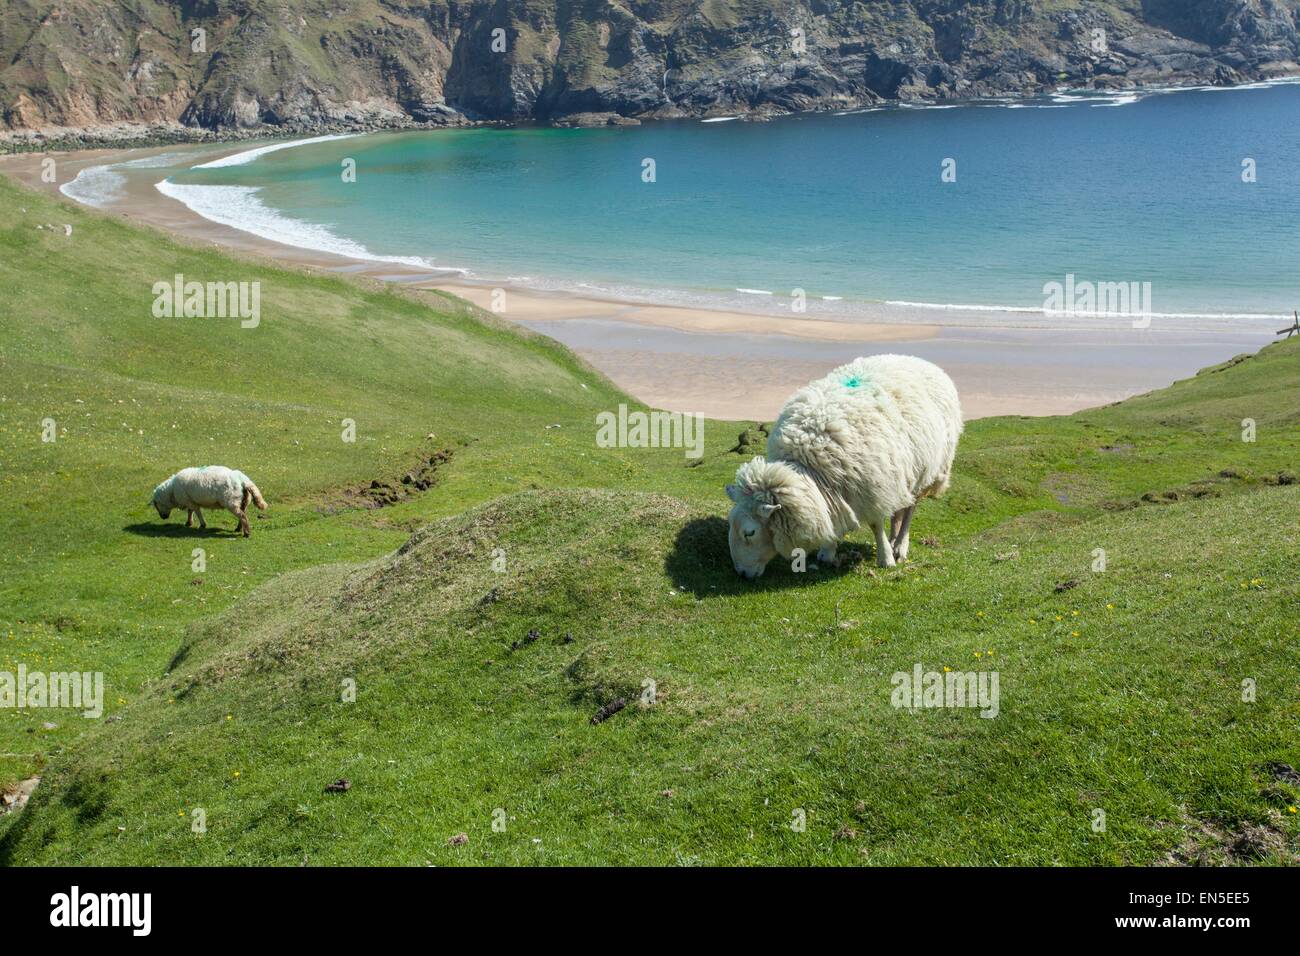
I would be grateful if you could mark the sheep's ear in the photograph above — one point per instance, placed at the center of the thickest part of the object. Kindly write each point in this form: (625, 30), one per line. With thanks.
(765, 511)
(733, 492)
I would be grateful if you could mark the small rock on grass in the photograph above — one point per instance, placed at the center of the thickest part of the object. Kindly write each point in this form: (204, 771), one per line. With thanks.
(529, 638)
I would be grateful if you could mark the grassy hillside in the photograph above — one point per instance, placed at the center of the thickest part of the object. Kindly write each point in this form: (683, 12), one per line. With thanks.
(1120, 690)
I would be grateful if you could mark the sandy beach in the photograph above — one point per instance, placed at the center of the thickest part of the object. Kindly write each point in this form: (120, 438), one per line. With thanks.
(731, 364)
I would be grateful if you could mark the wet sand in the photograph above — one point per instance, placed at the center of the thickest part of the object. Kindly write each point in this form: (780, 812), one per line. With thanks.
(997, 371)
(738, 365)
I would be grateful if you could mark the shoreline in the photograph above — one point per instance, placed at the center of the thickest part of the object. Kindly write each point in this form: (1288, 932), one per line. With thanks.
(725, 363)
(138, 134)
(288, 237)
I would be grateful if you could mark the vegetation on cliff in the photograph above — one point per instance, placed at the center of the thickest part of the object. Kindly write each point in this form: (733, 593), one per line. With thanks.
(300, 64)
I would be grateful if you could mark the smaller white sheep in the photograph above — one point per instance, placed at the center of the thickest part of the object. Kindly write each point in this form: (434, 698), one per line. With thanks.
(212, 486)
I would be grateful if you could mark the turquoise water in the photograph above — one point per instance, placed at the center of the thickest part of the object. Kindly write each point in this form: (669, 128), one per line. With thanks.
(850, 208)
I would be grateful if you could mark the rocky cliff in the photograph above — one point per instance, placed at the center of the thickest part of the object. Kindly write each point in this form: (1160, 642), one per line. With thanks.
(228, 65)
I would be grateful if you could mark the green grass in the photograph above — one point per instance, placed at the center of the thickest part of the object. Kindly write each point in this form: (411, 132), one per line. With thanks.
(225, 689)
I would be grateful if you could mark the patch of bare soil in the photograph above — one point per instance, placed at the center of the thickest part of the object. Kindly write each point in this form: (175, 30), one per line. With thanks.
(1235, 360)
(382, 492)
(1212, 843)
(1200, 488)
(1283, 772)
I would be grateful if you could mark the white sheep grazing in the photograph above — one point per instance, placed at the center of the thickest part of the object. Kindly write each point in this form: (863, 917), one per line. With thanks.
(212, 486)
(860, 446)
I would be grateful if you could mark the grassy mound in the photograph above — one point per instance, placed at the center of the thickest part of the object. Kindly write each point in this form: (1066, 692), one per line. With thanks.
(90, 579)
(458, 656)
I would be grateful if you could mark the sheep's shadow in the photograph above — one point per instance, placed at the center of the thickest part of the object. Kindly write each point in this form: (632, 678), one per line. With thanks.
(700, 562)
(152, 529)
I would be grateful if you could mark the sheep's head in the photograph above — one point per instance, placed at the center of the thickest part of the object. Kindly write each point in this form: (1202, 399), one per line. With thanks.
(161, 502)
(750, 534)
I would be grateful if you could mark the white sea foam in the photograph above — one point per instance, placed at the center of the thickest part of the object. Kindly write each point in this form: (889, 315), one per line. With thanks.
(1097, 98)
(1067, 97)
(95, 186)
(241, 208)
(1030, 310)
(1257, 85)
(949, 306)
(1125, 100)
(719, 119)
(858, 310)
(248, 155)
(104, 185)
(160, 161)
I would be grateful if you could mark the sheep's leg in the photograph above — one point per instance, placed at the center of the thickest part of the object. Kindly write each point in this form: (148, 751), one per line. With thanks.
(238, 512)
(895, 520)
(902, 538)
(901, 521)
(884, 550)
(189, 518)
(199, 512)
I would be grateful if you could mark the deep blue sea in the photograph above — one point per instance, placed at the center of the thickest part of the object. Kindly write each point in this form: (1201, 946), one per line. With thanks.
(851, 208)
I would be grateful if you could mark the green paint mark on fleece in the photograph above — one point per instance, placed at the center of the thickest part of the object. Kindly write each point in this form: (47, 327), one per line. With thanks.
(852, 383)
